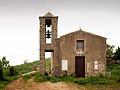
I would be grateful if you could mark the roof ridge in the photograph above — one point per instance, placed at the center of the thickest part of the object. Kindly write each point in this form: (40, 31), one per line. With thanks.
(82, 31)
(48, 14)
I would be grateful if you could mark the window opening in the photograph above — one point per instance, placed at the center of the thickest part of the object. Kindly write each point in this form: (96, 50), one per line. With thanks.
(80, 44)
(48, 26)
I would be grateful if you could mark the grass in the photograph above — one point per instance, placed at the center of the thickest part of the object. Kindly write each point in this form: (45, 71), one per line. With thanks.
(26, 77)
(93, 82)
(21, 69)
(25, 68)
(96, 82)
(73, 79)
(7, 80)
(47, 65)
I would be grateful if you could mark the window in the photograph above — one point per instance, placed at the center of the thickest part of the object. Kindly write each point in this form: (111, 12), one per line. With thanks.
(96, 65)
(80, 44)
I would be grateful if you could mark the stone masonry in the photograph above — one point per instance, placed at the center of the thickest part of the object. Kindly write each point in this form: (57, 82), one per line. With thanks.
(64, 48)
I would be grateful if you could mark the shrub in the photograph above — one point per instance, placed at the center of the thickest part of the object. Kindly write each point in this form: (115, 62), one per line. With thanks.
(68, 78)
(118, 80)
(46, 73)
(53, 79)
(99, 80)
(12, 71)
(81, 81)
(40, 78)
(101, 75)
(2, 85)
(1, 71)
(46, 78)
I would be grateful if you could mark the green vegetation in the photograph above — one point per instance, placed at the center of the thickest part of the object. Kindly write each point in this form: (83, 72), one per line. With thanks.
(25, 68)
(92, 82)
(5, 63)
(47, 66)
(28, 67)
(111, 54)
(1, 71)
(115, 71)
(7, 73)
(7, 80)
(80, 81)
(109, 51)
(117, 54)
(26, 77)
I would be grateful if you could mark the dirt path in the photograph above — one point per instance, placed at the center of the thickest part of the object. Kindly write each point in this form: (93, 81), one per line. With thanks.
(19, 84)
(28, 73)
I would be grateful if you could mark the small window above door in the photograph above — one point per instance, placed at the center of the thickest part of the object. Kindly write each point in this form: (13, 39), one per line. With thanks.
(80, 45)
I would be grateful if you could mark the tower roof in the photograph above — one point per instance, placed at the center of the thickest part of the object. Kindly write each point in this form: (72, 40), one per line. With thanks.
(49, 14)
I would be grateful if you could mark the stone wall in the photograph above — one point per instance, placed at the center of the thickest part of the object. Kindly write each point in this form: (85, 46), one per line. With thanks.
(44, 47)
(94, 50)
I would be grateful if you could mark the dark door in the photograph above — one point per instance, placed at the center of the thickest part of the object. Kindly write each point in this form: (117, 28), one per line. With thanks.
(80, 66)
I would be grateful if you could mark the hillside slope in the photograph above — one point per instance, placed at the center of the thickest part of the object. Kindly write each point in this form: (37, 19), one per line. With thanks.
(24, 68)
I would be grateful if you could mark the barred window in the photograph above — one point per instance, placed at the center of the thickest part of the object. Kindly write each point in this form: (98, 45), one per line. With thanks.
(80, 44)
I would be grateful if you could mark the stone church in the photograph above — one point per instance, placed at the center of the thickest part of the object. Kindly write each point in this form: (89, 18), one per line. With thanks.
(78, 53)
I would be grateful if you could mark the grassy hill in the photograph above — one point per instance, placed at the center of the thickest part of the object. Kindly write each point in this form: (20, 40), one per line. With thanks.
(24, 68)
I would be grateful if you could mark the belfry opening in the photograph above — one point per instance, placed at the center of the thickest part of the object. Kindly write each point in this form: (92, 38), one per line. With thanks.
(48, 24)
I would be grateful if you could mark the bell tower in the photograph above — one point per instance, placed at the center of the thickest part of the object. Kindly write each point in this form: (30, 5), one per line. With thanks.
(48, 34)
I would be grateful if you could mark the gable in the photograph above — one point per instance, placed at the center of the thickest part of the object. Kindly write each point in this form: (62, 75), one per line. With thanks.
(82, 32)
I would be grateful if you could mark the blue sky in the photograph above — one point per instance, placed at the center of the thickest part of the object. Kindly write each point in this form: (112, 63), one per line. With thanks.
(19, 23)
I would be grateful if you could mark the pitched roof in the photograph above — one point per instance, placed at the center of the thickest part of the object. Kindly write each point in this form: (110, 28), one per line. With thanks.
(78, 31)
(48, 14)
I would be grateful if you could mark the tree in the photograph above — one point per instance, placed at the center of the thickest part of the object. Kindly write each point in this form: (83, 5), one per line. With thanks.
(117, 54)
(109, 51)
(1, 71)
(5, 62)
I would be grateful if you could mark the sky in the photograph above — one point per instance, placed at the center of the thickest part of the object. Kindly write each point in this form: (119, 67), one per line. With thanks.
(19, 23)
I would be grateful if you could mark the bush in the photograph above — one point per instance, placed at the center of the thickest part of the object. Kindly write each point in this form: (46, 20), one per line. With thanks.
(12, 71)
(53, 79)
(1, 72)
(2, 85)
(39, 78)
(46, 73)
(68, 78)
(99, 80)
(81, 81)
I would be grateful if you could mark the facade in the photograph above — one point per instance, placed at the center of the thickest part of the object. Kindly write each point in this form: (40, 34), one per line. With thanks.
(78, 53)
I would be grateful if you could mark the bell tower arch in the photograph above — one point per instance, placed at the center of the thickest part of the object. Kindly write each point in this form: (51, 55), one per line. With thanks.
(48, 34)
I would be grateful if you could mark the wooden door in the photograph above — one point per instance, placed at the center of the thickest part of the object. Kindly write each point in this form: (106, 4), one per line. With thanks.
(80, 66)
